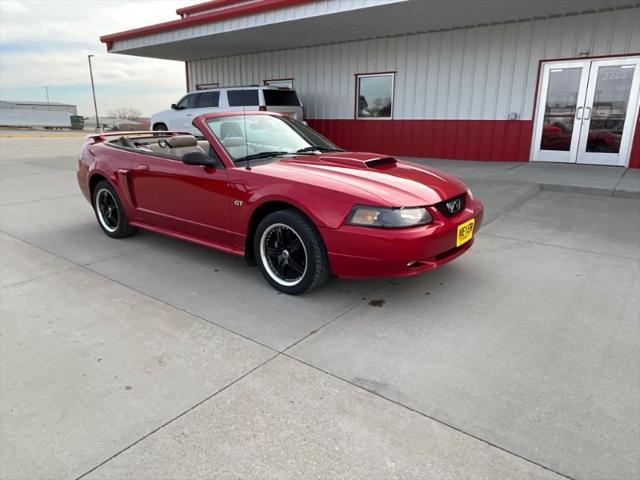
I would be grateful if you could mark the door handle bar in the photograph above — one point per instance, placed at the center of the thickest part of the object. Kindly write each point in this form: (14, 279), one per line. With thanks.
(589, 117)
(143, 168)
(578, 111)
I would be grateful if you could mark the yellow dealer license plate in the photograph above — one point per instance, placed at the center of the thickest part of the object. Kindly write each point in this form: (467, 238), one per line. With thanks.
(465, 232)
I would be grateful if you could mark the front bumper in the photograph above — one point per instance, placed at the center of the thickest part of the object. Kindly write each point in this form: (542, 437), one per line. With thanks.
(362, 252)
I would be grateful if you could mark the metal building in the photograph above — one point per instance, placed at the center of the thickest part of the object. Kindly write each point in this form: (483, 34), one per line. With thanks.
(506, 80)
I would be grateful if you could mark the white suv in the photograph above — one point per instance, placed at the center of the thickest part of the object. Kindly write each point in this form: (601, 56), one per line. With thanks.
(227, 99)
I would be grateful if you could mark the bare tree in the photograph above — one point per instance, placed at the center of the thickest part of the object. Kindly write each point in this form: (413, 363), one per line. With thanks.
(126, 113)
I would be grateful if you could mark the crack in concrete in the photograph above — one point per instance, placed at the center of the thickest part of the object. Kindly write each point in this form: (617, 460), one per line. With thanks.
(441, 422)
(13, 204)
(278, 353)
(193, 407)
(521, 242)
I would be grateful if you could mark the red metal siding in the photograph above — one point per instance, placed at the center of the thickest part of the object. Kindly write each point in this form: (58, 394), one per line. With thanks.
(497, 140)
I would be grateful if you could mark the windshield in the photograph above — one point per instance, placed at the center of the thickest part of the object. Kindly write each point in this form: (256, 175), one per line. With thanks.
(258, 135)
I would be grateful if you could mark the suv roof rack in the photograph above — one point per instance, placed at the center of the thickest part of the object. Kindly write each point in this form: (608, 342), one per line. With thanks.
(232, 86)
(255, 85)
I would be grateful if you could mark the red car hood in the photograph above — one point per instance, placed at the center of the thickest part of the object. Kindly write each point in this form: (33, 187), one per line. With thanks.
(398, 183)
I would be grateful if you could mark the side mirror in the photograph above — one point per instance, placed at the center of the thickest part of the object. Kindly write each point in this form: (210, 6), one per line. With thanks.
(174, 106)
(197, 158)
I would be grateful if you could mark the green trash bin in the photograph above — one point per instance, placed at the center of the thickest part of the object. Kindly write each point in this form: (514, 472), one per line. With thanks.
(77, 122)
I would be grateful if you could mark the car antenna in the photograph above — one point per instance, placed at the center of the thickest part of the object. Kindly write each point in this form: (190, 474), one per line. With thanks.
(246, 142)
(244, 119)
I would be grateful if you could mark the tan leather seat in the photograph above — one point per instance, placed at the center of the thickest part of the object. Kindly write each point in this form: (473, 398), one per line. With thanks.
(154, 147)
(204, 145)
(178, 145)
(237, 147)
(181, 144)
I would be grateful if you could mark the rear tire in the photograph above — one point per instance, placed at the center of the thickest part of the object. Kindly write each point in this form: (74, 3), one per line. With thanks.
(290, 252)
(110, 212)
(160, 127)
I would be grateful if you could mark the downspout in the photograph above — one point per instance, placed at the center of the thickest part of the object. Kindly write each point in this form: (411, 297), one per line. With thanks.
(186, 74)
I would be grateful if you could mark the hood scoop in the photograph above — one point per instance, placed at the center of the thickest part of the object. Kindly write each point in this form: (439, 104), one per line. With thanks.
(381, 163)
(378, 163)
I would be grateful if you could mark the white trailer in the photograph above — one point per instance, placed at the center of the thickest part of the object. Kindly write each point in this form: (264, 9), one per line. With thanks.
(34, 118)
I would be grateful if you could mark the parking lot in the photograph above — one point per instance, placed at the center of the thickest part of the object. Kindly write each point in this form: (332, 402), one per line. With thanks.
(153, 358)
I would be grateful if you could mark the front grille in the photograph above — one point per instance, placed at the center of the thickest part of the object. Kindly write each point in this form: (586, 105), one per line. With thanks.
(453, 251)
(451, 206)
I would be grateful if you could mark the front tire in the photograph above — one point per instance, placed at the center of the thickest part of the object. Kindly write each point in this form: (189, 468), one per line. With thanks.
(290, 252)
(110, 212)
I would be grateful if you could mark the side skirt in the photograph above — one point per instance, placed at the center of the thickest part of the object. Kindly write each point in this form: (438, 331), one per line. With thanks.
(189, 238)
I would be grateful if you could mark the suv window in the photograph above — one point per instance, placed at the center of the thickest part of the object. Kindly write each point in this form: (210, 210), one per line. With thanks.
(242, 98)
(208, 99)
(188, 101)
(281, 98)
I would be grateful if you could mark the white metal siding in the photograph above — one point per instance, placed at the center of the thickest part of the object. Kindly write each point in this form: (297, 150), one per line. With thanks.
(484, 72)
(269, 17)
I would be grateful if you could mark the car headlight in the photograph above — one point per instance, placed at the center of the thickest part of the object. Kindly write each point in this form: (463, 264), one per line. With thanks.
(389, 217)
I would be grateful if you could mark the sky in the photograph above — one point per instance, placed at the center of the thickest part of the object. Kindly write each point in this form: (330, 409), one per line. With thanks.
(46, 43)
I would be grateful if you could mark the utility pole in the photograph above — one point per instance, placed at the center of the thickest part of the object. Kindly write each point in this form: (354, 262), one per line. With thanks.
(93, 89)
(46, 90)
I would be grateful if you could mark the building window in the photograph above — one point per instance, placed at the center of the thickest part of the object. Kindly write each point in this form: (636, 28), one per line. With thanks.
(374, 94)
(279, 82)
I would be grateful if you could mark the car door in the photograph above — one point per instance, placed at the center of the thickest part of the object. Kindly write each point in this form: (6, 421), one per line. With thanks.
(190, 200)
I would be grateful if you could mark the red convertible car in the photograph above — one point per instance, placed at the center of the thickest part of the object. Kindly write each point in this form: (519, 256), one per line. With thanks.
(269, 188)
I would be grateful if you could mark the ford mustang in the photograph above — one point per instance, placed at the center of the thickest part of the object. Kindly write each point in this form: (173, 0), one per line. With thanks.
(271, 189)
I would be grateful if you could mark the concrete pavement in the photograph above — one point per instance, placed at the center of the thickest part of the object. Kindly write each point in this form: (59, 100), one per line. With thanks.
(152, 358)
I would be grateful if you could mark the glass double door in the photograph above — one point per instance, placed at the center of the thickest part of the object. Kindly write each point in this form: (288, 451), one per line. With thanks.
(587, 111)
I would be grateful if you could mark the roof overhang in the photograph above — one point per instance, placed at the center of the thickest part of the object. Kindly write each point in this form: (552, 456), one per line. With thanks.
(229, 27)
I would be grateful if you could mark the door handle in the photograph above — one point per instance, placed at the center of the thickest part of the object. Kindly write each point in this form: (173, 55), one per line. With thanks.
(578, 111)
(589, 117)
(143, 168)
